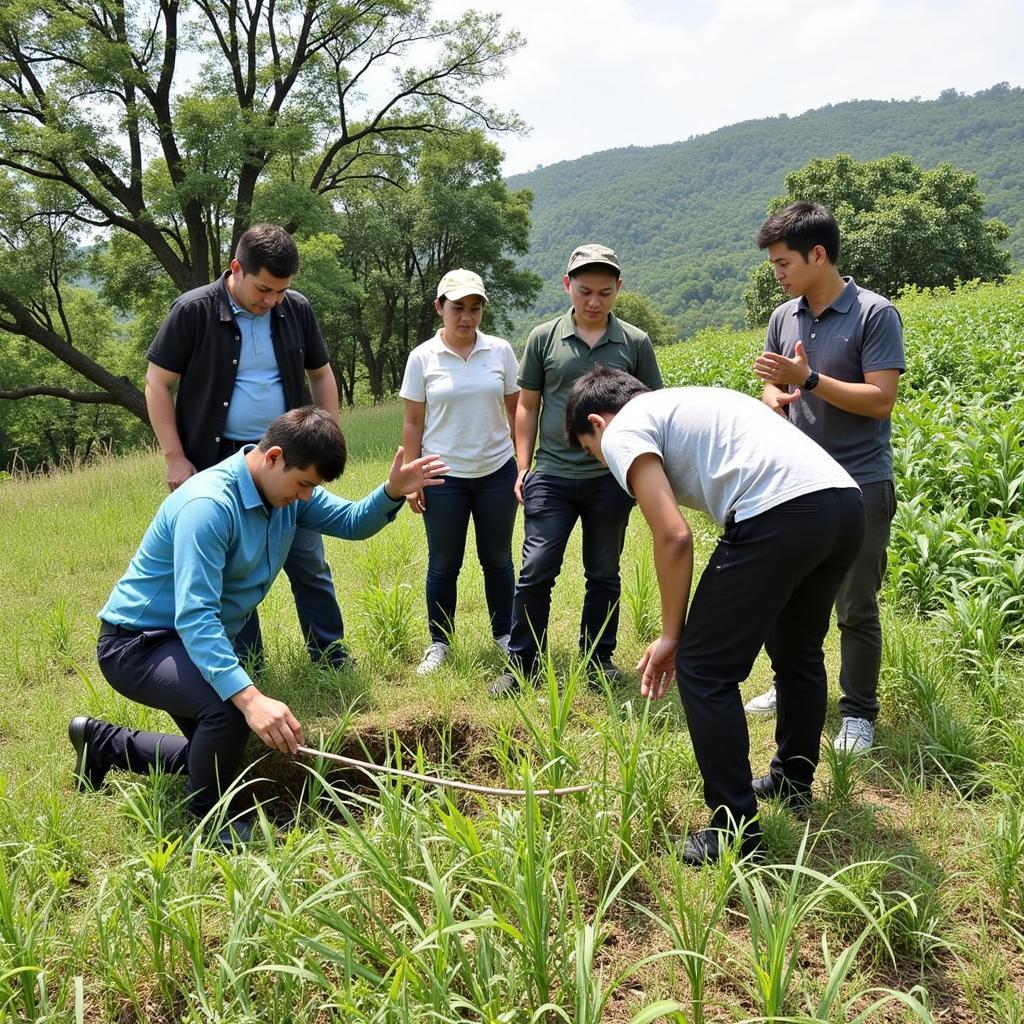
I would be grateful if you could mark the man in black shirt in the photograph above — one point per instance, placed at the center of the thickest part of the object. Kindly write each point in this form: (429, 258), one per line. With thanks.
(240, 351)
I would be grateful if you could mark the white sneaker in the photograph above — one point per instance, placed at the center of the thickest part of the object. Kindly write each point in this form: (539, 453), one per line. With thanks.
(503, 642)
(762, 704)
(855, 736)
(433, 657)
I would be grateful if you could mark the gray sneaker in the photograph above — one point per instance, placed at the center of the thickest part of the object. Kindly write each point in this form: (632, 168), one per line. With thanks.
(855, 736)
(433, 658)
(762, 704)
(506, 685)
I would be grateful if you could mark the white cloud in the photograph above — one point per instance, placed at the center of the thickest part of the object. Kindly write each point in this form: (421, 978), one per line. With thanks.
(606, 73)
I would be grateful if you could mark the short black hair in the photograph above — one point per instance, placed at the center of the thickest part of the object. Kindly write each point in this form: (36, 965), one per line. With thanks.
(308, 436)
(268, 247)
(802, 226)
(600, 390)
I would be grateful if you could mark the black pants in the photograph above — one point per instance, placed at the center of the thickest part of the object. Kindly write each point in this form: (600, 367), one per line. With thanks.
(153, 668)
(771, 581)
(491, 503)
(860, 629)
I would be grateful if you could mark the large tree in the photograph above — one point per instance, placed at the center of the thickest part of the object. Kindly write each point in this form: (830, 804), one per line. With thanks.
(637, 309)
(899, 225)
(155, 124)
(453, 209)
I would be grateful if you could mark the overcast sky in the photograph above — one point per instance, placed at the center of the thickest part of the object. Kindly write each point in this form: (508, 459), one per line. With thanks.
(596, 74)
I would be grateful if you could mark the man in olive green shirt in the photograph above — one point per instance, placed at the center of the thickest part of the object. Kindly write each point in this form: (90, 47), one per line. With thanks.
(565, 485)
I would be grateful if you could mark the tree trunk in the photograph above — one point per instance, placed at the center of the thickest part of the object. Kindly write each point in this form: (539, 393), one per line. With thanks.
(121, 389)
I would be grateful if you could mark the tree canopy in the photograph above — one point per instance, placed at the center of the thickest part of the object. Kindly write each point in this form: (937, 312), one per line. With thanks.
(162, 128)
(373, 279)
(899, 225)
(638, 310)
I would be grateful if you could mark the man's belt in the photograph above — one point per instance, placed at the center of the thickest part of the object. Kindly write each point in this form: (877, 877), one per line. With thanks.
(109, 629)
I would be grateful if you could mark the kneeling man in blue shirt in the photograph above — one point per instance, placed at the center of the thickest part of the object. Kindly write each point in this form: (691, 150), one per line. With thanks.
(206, 562)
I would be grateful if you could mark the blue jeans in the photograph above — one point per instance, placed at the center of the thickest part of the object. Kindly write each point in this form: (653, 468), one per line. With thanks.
(552, 506)
(491, 501)
(315, 602)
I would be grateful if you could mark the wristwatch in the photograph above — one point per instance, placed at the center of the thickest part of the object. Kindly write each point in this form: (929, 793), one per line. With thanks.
(812, 381)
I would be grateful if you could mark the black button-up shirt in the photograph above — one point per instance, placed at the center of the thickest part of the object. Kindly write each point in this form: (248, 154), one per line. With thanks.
(200, 341)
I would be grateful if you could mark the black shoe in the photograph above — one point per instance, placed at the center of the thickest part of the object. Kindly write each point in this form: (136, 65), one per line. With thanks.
(778, 787)
(88, 774)
(506, 685)
(599, 669)
(237, 833)
(337, 657)
(704, 847)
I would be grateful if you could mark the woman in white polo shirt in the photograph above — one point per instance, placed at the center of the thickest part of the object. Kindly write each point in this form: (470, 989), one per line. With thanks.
(460, 395)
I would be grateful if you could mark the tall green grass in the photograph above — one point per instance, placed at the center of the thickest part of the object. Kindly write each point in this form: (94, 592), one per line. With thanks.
(370, 899)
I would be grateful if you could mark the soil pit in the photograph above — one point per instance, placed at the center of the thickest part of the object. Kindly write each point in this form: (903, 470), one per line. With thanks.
(457, 748)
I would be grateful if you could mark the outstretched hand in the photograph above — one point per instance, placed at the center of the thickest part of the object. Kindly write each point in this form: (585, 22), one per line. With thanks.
(773, 368)
(407, 477)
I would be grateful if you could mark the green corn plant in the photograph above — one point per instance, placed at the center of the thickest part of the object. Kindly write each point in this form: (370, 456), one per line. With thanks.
(59, 629)
(388, 617)
(913, 922)
(26, 943)
(975, 627)
(1006, 854)
(643, 761)
(590, 994)
(845, 775)
(386, 597)
(551, 734)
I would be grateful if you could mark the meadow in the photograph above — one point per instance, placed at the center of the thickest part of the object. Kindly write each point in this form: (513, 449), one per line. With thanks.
(898, 897)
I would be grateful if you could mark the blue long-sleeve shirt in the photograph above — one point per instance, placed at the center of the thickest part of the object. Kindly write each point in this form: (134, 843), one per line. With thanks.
(211, 554)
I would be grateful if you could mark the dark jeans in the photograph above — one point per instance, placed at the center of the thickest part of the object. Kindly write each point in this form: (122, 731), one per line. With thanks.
(313, 589)
(153, 668)
(860, 631)
(315, 602)
(552, 506)
(770, 581)
(491, 501)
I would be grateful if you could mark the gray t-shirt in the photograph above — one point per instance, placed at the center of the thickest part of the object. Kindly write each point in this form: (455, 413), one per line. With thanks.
(858, 333)
(723, 452)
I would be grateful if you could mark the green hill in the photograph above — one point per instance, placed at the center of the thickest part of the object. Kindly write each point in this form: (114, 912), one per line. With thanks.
(683, 216)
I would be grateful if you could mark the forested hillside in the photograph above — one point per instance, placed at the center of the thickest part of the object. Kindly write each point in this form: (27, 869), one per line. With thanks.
(683, 216)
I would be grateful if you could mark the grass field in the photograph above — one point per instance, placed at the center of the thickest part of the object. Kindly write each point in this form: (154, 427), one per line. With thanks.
(900, 897)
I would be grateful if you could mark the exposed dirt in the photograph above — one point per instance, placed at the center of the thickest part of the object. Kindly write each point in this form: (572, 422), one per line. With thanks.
(459, 744)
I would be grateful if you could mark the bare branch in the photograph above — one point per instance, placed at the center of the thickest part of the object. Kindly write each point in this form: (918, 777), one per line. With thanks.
(84, 397)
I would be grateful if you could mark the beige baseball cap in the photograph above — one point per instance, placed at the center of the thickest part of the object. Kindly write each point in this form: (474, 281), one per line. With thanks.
(457, 284)
(591, 252)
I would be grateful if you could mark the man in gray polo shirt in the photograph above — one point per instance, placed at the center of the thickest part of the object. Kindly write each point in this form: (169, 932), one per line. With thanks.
(832, 362)
(565, 484)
